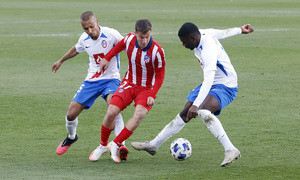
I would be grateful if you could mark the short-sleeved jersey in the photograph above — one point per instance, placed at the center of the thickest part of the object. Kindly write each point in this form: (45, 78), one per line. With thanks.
(146, 66)
(212, 55)
(97, 49)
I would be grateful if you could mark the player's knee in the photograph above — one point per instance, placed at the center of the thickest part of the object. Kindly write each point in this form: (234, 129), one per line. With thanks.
(71, 117)
(74, 110)
(110, 116)
(183, 115)
(139, 115)
(112, 112)
(205, 115)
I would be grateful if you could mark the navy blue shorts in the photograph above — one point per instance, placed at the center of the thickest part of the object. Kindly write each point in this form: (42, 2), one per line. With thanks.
(89, 91)
(223, 94)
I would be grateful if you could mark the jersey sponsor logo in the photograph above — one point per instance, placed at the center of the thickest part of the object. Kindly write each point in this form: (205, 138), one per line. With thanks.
(87, 47)
(104, 44)
(98, 60)
(147, 58)
(98, 57)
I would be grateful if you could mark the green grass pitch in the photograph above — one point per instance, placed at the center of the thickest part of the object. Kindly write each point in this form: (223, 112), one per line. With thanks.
(263, 121)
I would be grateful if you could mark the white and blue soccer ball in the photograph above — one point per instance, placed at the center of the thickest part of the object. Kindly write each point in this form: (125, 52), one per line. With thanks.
(181, 149)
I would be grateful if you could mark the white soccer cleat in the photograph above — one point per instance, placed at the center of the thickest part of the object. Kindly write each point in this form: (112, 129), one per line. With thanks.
(230, 156)
(95, 155)
(114, 149)
(144, 146)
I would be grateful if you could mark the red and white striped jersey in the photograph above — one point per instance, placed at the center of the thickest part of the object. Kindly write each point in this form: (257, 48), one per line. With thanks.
(146, 66)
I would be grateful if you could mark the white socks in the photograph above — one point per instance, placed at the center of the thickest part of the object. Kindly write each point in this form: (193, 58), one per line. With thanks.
(169, 130)
(119, 126)
(215, 127)
(71, 127)
(211, 121)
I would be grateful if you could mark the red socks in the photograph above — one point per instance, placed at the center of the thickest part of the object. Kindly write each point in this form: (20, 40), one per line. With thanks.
(105, 132)
(105, 135)
(124, 134)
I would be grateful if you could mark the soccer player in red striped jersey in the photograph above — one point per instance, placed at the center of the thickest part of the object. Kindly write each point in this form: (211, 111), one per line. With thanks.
(145, 75)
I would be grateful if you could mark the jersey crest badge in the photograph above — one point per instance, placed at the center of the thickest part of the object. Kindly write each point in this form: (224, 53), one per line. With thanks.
(147, 58)
(121, 90)
(104, 44)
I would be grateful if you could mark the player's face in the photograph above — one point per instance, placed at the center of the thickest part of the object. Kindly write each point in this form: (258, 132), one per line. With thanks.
(143, 39)
(91, 27)
(189, 42)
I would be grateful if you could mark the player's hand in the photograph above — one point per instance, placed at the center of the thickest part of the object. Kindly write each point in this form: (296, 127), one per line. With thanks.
(150, 101)
(103, 64)
(247, 28)
(192, 113)
(56, 66)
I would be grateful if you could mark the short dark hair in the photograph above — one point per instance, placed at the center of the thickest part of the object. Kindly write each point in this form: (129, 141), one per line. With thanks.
(187, 29)
(143, 25)
(86, 15)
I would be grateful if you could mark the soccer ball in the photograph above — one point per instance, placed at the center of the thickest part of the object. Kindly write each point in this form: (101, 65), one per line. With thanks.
(181, 149)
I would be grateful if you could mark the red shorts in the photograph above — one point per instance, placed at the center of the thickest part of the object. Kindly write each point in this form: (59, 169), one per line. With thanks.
(126, 93)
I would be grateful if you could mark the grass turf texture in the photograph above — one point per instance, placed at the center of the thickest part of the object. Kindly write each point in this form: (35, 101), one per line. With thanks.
(263, 121)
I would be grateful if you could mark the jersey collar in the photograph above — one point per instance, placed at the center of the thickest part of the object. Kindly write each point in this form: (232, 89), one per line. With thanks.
(147, 47)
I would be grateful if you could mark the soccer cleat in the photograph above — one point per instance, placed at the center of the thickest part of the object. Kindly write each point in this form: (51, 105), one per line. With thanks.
(144, 146)
(64, 146)
(114, 148)
(95, 155)
(230, 156)
(123, 152)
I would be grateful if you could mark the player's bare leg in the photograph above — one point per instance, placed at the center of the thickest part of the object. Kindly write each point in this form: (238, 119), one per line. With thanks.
(119, 122)
(118, 126)
(75, 109)
(139, 113)
(132, 124)
(101, 149)
(107, 127)
(109, 118)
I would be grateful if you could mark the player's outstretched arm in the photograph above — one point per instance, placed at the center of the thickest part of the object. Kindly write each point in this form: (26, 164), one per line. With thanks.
(247, 28)
(71, 53)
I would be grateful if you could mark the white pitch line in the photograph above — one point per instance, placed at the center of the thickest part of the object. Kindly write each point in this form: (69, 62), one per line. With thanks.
(154, 33)
(39, 35)
(40, 21)
(273, 13)
(210, 11)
